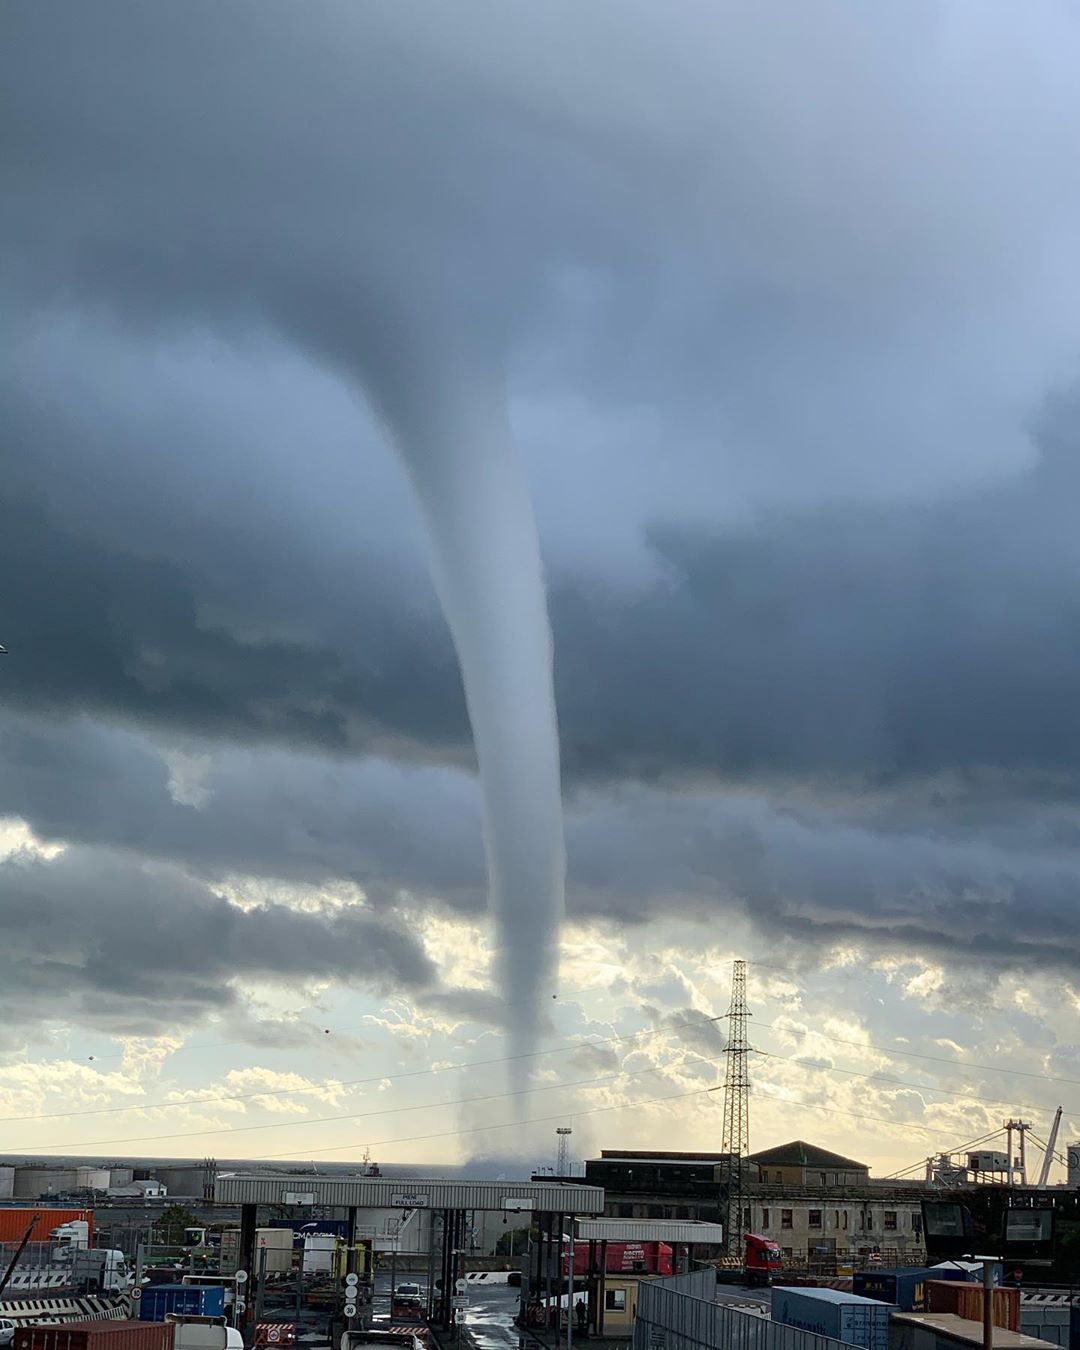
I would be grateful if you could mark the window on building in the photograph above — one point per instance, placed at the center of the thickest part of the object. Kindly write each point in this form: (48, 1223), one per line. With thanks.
(615, 1300)
(747, 1220)
(890, 1221)
(824, 1179)
(765, 1219)
(813, 1218)
(788, 1253)
(787, 1219)
(779, 1178)
(836, 1218)
(624, 1211)
(845, 1220)
(656, 1212)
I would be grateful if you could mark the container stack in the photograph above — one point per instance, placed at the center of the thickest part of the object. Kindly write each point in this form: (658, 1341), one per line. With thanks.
(966, 1300)
(189, 1300)
(831, 1312)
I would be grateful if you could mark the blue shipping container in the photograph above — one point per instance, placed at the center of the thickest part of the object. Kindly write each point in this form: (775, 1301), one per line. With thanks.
(189, 1300)
(904, 1286)
(830, 1312)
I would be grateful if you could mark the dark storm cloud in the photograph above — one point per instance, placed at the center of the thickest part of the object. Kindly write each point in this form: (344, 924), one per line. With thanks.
(997, 889)
(116, 628)
(778, 292)
(272, 815)
(138, 949)
(878, 643)
(867, 643)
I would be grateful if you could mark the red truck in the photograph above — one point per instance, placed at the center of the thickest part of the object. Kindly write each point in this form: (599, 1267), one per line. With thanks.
(763, 1259)
(625, 1258)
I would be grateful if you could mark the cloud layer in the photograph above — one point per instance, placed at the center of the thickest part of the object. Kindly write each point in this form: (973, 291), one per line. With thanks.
(785, 306)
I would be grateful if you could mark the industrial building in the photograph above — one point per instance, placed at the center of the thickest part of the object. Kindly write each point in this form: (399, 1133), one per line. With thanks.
(821, 1208)
(824, 1209)
(642, 1184)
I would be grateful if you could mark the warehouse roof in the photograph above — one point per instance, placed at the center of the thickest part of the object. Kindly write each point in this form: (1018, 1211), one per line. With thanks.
(675, 1232)
(665, 1155)
(366, 1192)
(801, 1154)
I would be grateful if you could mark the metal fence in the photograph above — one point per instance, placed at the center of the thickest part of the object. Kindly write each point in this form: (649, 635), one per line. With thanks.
(682, 1314)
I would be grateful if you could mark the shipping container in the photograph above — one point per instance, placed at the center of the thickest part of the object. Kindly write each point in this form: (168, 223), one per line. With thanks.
(966, 1300)
(15, 1220)
(625, 1258)
(277, 1243)
(105, 1334)
(189, 1300)
(1048, 1322)
(946, 1331)
(338, 1227)
(831, 1312)
(903, 1286)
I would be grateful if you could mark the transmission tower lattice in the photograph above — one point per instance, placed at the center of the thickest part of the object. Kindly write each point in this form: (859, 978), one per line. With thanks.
(735, 1144)
(562, 1162)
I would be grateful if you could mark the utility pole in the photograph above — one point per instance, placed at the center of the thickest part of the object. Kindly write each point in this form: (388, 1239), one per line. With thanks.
(562, 1161)
(735, 1142)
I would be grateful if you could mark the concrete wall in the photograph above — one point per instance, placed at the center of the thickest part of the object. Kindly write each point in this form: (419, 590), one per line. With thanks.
(1047, 1323)
(845, 1225)
(813, 1176)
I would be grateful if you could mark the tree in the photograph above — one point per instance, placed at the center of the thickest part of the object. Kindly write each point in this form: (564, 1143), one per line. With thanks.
(512, 1242)
(174, 1219)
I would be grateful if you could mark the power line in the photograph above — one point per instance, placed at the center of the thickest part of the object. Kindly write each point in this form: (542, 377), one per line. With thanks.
(588, 1082)
(960, 1148)
(364, 1115)
(360, 1082)
(902, 1082)
(500, 1125)
(543, 1120)
(856, 1115)
(575, 1045)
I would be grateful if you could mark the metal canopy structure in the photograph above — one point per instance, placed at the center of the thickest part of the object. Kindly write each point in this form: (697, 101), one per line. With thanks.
(675, 1232)
(524, 1197)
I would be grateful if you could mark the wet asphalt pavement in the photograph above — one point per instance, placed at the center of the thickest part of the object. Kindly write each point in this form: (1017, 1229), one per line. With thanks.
(489, 1319)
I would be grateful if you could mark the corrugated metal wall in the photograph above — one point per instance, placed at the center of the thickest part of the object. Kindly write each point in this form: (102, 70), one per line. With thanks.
(395, 1193)
(681, 1314)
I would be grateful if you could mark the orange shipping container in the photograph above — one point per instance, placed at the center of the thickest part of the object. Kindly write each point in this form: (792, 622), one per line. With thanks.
(103, 1335)
(966, 1300)
(14, 1222)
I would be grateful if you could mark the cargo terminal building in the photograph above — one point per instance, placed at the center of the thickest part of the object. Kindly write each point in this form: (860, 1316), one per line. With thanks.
(822, 1208)
(819, 1207)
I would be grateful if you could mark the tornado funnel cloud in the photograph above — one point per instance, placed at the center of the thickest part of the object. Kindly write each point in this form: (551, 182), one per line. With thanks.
(453, 434)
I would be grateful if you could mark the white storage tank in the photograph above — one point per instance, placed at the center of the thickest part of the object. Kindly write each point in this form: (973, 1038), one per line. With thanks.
(92, 1178)
(7, 1183)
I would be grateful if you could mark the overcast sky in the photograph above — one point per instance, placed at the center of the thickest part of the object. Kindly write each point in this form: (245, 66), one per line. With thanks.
(784, 301)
